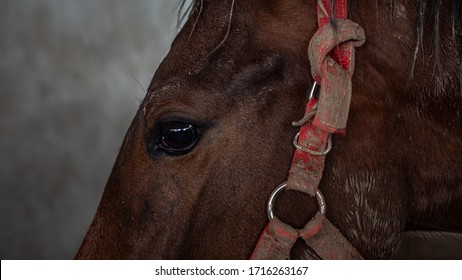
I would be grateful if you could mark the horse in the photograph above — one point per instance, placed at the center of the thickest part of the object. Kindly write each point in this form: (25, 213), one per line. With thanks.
(213, 136)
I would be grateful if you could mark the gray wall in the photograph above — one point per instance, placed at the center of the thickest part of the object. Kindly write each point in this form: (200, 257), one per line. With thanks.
(69, 72)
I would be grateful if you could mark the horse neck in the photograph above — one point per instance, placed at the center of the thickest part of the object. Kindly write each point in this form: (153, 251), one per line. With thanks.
(415, 87)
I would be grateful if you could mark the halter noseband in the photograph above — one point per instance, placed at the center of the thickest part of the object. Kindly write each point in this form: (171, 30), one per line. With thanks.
(332, 54)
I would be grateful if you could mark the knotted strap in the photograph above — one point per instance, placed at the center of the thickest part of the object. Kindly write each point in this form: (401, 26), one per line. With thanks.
(331, 53)
(334, 100)
(334, 78)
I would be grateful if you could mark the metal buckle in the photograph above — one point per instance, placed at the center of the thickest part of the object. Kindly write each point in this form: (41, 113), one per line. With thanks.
(313, 152)
(280, 188)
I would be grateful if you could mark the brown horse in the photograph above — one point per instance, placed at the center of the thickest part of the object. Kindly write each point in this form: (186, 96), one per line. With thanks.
(213, 136)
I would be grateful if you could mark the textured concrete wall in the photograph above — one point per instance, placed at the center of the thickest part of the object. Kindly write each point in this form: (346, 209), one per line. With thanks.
(68, 91)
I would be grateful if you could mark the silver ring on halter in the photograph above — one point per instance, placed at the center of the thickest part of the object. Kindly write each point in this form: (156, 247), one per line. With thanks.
(313, 91)
(280, 188)
(313, 152)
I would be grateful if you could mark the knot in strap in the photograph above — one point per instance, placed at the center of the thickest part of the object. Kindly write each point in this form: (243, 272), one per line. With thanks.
(332, 56)
(334, 75)
(327, 38)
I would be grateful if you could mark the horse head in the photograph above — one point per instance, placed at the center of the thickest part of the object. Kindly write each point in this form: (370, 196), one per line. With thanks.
(213, 136)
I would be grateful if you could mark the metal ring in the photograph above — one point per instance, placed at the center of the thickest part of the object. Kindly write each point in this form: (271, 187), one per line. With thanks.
(280, 188)
(313, 90)
(308, 150)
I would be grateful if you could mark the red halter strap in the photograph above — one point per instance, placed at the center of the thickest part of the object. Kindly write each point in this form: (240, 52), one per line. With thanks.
(332, 53)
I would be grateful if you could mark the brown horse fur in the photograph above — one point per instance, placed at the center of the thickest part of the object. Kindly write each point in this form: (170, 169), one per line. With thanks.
(239, 70)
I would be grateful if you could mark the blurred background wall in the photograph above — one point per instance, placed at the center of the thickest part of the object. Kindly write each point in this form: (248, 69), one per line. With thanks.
(69, 73)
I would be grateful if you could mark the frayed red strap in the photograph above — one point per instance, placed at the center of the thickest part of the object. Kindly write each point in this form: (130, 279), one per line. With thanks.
(306, 170)
(331, 54)
(324, 238)
(326, 12)
(334, 78)
(275, 242)
(327, 241)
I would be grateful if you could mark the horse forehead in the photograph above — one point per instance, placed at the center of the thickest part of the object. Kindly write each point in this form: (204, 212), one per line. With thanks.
(216, 88)
(222, 36)
(195, 47)
(225, 43)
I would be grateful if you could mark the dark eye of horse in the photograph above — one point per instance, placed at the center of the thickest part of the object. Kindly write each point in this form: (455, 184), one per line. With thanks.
(178, 138)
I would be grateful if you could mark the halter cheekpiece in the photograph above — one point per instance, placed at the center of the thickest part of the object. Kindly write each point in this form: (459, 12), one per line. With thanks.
(331, 53)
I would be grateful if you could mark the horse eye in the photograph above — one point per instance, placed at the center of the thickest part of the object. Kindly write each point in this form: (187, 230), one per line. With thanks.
(178, 138)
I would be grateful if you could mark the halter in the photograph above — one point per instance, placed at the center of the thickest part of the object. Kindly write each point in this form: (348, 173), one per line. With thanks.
(331, 53)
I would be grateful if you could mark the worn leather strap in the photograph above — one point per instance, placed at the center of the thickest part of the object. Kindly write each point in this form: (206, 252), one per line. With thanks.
(334, 78)
(275, 242)
(327, 241)
(331, 54)
(334, 100)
